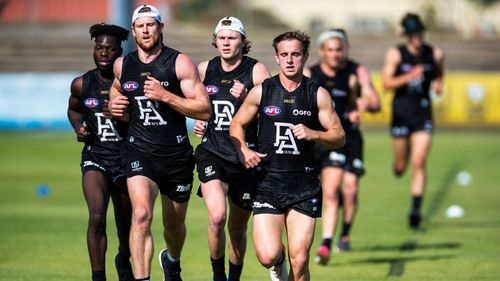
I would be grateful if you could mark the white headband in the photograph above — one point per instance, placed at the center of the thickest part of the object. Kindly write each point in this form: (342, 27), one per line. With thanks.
(331, 34)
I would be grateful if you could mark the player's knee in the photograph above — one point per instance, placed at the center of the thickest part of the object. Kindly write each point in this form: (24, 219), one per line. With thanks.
(350, 192)
(418, 164)
(267, 258)
(97, 223)
(237, 230)
(142, 216)
(217, 221)
(299, 261)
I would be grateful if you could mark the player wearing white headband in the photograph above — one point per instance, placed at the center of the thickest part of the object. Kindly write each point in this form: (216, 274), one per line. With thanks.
(158, 87)
(350, 86)
(227, 78)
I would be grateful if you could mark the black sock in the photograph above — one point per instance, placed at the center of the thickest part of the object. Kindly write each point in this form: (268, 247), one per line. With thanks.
(346, 227)
(281, 260)
(218, 269)
(327, 242)
(416, 203)
(235, 271)
(143, 279)
(99, 275)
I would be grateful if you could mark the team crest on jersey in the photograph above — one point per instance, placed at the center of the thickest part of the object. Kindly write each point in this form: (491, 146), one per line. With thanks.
(91, 102)
(130, 86)
(272, 110)
(211, 89)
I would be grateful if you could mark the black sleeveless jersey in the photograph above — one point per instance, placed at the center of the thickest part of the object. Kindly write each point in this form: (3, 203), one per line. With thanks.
(105, 134)
(413, 98)
(280, 109)
(352, 68)
(338, 87)
(224, 106)
(154, 127)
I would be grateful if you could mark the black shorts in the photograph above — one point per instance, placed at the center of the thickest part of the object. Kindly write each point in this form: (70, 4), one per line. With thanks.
(303, 195)
(242, 182)
(348, 158)
(354, 153)
(174, 177)
(110, 166)
(405, 122)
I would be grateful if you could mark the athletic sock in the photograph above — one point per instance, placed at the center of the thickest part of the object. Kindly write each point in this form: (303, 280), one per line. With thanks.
(281, 260)
(346, 228)
(143, 279)
(99, 275)
(235, 271)
(218, 269)
(416, 203)
(327, 242)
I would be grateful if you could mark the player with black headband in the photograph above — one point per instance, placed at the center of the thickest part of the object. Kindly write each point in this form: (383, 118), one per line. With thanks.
(411, 69)
(102, 173)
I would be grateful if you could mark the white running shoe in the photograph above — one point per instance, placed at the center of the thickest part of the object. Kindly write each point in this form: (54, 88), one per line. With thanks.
(279, 272)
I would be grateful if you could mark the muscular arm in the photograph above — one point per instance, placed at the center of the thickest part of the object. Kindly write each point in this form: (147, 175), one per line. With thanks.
(243, 117)
(118, 103)
(370, 99)
(260, 73)
(75, 112)
(195, 103)
(389, 80)
(334, 136)
(199, 125)
(439, 60)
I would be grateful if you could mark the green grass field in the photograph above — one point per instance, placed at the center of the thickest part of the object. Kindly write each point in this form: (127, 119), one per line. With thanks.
(43, 238)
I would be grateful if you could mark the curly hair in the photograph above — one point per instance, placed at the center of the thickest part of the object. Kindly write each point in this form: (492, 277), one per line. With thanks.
(290, 35)
(99, 29)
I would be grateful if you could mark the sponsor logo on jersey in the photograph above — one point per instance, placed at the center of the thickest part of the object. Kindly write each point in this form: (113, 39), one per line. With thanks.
(164, 83)
(290, 101)
(246, 196)
(300, 112)
(130, 86)
(104, 92)
(147, 73)
(91, 102)
(211, 89)
(225, 81)
(272, 110)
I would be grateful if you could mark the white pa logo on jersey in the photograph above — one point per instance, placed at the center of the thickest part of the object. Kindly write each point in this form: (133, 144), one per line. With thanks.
(285, 141)
(224, 111)
(105, 129)
(149, 112)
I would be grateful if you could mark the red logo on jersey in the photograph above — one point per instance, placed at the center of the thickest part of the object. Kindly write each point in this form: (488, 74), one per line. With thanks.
(91, 102)
(272, 110)
(130, 86)
(211, 89)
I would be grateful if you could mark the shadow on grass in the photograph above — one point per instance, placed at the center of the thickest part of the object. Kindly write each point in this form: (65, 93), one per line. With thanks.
(410, 246)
